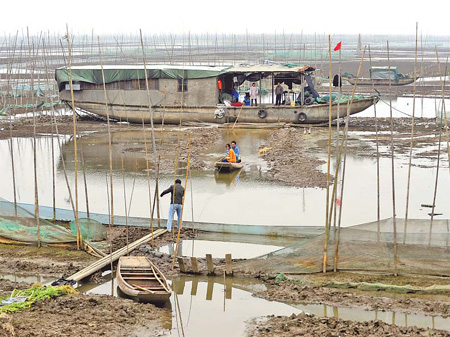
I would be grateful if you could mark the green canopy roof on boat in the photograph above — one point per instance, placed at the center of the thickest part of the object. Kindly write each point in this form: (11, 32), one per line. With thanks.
(115, 73)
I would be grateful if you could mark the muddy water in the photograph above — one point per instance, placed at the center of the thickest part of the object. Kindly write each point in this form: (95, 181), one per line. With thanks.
(26, 278)
(403, 107)
(218, 249)
(391, 317)
(220, 307)
(244, 197)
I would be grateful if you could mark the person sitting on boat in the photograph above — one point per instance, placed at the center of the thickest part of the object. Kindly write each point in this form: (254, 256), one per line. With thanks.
(176, 200)
(235, 95)
(230, 156)
(236, 151)
(247, 99)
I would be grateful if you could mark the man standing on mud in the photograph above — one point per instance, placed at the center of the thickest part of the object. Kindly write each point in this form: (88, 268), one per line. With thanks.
(176, 200)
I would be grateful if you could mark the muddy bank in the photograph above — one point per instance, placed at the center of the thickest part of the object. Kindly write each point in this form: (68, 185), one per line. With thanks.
(86, 315)
(45, 261)
(293, 154)
(298, 293)
(7, 286)
(289, 160)
(306, 325)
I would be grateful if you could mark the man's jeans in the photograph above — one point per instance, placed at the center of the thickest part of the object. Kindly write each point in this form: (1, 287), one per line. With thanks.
(172, 210)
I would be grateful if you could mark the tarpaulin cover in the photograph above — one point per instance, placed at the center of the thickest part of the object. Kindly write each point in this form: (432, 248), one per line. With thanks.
(384, 73)
(93, 74)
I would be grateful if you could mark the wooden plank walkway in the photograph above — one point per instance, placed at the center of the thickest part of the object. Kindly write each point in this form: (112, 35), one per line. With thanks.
(104, 261)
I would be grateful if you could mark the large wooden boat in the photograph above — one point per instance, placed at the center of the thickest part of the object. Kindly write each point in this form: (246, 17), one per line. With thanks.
(198, 94)
(140, 279)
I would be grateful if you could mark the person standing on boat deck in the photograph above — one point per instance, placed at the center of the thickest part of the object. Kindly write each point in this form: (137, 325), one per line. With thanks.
(231, 156)
(236, 151)
(278, 92)
(235, 95)
(254, 94)
(176, 200)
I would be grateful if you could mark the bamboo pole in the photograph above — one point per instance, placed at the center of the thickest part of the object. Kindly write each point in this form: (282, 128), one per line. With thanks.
(74, 121)
(109, 137)
(344, 144)
(55, 123)
(182, 206)
(378, 156)
(412, 139)
(85, 182)
(442, 114)
(327, 225)
(11, 135)
(36, 190)
(392, 166)
(151, 118)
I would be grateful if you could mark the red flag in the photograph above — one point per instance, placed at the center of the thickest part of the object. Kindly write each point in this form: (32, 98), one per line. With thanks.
(338, 46)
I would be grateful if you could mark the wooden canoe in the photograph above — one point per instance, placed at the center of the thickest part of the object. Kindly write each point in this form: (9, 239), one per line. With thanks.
(227, 167)
(141, 280)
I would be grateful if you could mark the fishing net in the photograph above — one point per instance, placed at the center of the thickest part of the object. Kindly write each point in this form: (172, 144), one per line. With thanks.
(18, 224)
(367, 247)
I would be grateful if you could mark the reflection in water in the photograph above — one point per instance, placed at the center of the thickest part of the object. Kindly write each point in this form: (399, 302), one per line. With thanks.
(27, 278)
(228, 178)
(254, 199)
(228, 303)
(217, 306)
(390, 317)
(218, 249)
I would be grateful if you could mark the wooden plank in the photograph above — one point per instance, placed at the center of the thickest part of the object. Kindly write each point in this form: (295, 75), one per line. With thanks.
(194, 263)
(104, 261)
(228, 265)
(181, 264)
(209, 263)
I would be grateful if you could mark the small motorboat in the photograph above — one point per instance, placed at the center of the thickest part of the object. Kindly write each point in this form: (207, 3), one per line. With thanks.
(141, 280)
(227, 167)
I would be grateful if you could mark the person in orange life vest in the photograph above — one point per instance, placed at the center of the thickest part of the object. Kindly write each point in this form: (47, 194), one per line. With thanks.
(230, 157)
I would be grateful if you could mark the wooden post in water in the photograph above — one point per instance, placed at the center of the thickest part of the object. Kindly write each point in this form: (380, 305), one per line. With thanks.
(228, 265)
(194, 264)
(181, 264)
(210, 265)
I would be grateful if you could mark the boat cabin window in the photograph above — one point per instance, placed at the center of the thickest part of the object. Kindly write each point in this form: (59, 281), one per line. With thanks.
(182, 84)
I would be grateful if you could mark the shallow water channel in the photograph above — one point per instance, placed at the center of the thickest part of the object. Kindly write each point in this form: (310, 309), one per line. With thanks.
(243, 197)
(221, 307)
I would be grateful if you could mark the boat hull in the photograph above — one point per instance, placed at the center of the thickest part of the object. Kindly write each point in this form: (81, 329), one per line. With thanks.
(385, 82)
(264, 113)
(227, 167)
(141, 280)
